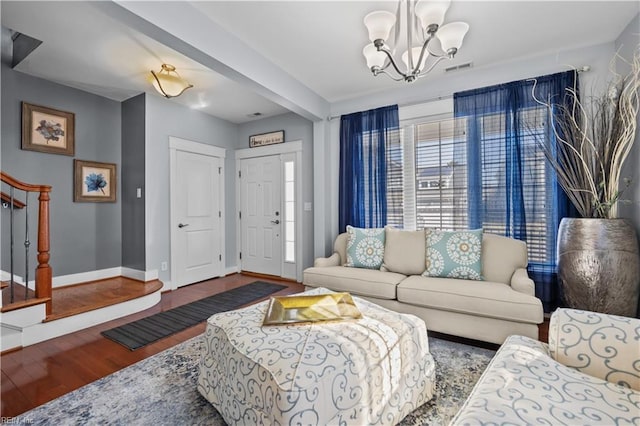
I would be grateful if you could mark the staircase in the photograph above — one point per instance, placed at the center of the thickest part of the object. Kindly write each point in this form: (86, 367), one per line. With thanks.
(43, 273)
(31, 310)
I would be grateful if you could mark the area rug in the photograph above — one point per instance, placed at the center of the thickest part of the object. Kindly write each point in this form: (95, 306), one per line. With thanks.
(161, 390)
(147, 330)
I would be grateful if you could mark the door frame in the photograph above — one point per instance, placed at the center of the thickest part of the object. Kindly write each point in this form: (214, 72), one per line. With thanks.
(292, 147)
(178, 144)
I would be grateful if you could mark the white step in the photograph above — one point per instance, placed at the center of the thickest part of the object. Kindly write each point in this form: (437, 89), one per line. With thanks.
(30, 330)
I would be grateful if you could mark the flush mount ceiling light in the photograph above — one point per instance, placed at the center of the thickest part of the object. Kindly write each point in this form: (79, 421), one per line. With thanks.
(422, 24)
(168, 82)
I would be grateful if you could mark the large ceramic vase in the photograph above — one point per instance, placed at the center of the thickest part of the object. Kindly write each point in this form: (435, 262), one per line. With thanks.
(599, 265)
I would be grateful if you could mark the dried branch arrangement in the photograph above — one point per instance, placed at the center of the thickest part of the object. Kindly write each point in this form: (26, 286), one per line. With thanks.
(593, 139)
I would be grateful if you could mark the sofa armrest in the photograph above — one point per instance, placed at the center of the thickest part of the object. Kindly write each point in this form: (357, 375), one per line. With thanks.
(333, 260)
(521, 282)
(600, 345)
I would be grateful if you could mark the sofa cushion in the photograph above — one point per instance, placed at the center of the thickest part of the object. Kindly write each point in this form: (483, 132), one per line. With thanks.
(455, 254)
(485, 298)
(597, 344)
(365, 247)
(364, 282)
(340, 247)
(404, 251)
(501, 256)
(523, 386)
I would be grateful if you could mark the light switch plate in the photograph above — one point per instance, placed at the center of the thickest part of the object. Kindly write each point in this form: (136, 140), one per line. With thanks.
(307, 206)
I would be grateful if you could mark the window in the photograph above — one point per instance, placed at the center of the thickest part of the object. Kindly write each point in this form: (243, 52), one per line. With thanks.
(427, 178)
(289, 212)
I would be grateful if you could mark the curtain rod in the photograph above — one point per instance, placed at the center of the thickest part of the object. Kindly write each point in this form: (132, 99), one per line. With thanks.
(585, 68)
(424, 101)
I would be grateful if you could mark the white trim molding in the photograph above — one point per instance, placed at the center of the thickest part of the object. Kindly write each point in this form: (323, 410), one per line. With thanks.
(196, 147)
(263, 151)
(136, 274)
(231, 270)
(81, 277)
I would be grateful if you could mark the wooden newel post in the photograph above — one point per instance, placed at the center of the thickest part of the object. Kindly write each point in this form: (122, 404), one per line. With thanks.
(43, 271)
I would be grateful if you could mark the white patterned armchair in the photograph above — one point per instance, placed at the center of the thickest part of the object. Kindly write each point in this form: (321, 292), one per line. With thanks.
(589, 373)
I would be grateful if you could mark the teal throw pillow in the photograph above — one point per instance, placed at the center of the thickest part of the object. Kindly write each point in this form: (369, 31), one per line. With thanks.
(455, 254)
(365, 247)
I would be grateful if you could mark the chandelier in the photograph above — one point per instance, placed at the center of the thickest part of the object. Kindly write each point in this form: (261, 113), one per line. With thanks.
(168, 82)
(423, 23)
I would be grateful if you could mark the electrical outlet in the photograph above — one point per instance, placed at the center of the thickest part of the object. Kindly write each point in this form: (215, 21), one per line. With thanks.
(164, 266)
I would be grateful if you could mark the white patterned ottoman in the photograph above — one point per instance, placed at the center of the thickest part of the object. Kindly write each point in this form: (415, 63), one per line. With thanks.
(370, 371)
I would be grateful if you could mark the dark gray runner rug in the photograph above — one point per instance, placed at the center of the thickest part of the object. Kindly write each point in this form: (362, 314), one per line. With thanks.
(161, 390)
(147, 330)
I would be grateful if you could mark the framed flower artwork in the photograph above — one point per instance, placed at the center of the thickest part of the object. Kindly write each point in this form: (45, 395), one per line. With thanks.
(48, 130)
(94, 182)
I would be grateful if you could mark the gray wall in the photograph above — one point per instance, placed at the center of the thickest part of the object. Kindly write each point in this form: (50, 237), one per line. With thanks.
(627, 43)
(295, 128)
(84, 236)
(165, 118)
(132, 172)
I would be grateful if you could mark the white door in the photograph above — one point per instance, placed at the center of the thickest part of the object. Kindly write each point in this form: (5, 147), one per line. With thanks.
(198, 218)
(260, 215)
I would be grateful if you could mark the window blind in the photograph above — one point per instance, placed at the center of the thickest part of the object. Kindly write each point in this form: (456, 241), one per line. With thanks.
(427, 188)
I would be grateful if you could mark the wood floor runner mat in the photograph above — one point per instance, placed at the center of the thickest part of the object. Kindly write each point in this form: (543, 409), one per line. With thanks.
(147, 330)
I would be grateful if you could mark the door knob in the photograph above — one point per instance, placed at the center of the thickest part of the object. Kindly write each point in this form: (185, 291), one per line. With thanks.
(275, 221)
(182, 225)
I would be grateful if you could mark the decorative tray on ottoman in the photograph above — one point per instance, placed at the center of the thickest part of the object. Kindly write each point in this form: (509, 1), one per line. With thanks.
(311, 308)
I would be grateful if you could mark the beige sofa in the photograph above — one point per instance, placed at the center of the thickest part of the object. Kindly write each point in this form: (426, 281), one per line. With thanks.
(490, 310)
(587, 374)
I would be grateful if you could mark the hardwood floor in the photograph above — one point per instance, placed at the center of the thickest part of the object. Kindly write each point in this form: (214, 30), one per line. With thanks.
(78, 298)
(75, 299)
(39, 373)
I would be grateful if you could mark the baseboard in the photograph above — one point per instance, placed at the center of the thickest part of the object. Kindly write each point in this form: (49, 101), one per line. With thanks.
(101, 274)
(230, 270)
(136, 274)
(6, 276)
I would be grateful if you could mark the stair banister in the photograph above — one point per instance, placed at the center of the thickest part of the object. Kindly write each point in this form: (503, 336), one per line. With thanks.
(43, 271)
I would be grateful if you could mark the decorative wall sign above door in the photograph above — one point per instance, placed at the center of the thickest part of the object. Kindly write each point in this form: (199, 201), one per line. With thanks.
(266, 139)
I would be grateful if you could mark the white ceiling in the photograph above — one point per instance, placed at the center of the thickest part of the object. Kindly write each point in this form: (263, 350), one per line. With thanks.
(317, 42)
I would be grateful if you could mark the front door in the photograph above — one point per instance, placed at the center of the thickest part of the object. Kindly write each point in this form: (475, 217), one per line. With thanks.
(198, 218)
(260, 215)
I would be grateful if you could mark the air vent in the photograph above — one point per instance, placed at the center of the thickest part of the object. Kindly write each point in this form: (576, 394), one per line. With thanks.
(254, 115)
(459, 67)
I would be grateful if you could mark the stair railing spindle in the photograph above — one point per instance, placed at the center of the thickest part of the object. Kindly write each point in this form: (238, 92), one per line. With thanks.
(27, 243)
(11, 295)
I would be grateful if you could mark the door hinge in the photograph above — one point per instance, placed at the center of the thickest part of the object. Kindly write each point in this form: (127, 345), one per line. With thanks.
(240, 255)
(239, 173)
(239, 215)
(219, 170)
(220, 257)
(219, 213)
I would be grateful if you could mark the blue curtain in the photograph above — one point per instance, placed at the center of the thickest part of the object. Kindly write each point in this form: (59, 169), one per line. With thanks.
(511, 189)
(363, 166)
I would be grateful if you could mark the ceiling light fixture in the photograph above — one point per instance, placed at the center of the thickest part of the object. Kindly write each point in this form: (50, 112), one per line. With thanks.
(423, 23)
(168, 82)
